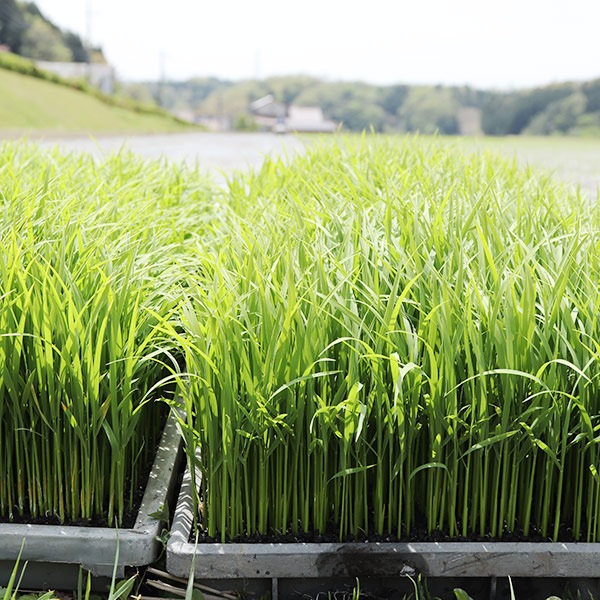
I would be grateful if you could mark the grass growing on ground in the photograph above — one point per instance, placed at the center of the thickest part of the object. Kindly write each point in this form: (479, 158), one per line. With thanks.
(393, 334)
(29, 104)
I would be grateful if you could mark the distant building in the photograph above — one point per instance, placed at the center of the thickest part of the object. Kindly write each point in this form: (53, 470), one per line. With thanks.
(276, 116)
(308, 119)
(100, 75)
(469, 121)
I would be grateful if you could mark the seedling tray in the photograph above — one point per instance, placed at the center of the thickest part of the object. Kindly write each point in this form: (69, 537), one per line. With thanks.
(337, 561)
(56, 553)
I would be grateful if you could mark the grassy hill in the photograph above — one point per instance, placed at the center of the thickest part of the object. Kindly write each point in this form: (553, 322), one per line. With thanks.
(32, 105)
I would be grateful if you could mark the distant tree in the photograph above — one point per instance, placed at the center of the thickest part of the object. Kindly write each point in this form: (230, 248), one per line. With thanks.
(497, 113)
(511, 113)
(353, 104)
(357, 116)
(560, 116)
(232, 101)
(568, 111)
(12, 25)
(532, 102)
(591, 89)
(43, 42)
(393, 97)
(429, 110)
(177, 95)
(327, 96)
(27, 32)
(588, 124)
(75, 45)
(468, 96)
(286, 88)
(202, 88)
(30, 8)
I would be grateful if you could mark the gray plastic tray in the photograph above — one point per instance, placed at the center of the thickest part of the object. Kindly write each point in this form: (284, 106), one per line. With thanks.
(55, 553)
(370, 560)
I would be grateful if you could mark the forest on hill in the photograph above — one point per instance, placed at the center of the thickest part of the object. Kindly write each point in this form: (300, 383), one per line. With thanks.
(569, 108)
(25, 31)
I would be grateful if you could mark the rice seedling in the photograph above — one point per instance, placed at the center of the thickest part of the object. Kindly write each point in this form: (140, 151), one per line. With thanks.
(379, 337)
(87, 282)
(392, 335)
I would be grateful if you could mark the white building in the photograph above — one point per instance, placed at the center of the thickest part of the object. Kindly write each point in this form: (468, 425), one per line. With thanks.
(280, 118)
(100, 75)
(309, 119)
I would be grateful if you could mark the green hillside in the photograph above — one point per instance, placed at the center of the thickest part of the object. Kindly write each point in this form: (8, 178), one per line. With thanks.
(29, 104)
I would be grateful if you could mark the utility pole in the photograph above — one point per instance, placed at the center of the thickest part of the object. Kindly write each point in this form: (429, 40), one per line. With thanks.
(88, 39)
(160, 94)
(257, 64)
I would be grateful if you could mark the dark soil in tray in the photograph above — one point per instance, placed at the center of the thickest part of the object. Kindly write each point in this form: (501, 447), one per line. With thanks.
(129, 516)
(418, 534)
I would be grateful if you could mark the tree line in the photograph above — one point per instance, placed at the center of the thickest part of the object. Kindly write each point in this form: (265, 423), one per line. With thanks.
(27, 32)
(571, 108)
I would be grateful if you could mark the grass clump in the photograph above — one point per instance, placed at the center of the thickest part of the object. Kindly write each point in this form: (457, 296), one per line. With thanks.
(392, 335)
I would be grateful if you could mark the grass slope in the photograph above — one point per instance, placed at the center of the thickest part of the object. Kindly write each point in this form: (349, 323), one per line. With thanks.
(28, 104)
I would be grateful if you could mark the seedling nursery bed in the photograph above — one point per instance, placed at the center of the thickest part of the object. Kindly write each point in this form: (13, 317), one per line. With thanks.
(381, 324)
(55, 553)
(392, 334)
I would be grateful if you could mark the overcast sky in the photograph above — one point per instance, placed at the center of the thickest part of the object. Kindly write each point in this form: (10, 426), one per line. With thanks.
(502, 44)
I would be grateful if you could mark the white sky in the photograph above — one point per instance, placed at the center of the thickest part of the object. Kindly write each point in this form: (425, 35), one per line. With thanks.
(488, 44)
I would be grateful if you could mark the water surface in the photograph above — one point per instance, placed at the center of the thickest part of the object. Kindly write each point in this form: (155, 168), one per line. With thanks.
(222, 152)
